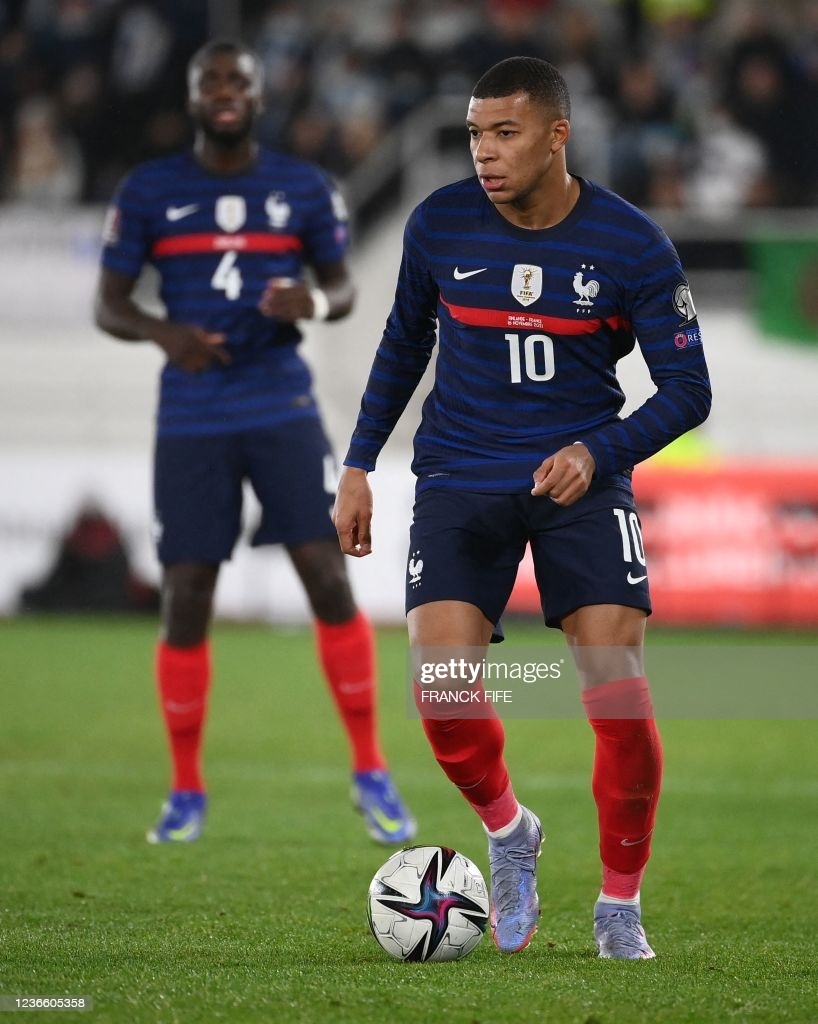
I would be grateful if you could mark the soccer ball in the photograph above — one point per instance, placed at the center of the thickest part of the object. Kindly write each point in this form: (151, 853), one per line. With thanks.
(428, 903)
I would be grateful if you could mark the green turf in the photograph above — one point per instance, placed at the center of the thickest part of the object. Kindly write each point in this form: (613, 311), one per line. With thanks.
(263, 919)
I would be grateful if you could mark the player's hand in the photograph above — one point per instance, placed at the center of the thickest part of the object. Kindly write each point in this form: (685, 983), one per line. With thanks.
(352, 514)
(191, 348)
(565, 476)
(286, 299)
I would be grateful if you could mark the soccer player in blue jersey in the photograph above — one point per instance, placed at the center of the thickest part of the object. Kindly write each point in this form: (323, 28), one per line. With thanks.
(537, 282)
(233, 229)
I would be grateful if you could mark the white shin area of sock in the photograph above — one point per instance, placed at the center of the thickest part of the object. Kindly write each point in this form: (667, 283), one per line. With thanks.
(604, 898)
(506, 830)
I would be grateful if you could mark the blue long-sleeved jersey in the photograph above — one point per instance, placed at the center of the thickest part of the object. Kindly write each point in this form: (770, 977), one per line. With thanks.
(531, 325)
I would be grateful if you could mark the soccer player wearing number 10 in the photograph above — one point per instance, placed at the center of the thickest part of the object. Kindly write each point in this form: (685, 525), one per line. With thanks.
(538, 282)
(231, 229)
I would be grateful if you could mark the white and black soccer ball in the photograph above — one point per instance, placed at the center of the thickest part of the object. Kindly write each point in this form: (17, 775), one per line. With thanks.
(428, 903)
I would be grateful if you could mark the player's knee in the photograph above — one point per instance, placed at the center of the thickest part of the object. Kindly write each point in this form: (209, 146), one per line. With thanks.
(331, 600)
(187, 599)
(328, 590)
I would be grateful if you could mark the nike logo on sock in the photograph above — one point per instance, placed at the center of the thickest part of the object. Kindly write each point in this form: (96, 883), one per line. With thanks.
(635, 842)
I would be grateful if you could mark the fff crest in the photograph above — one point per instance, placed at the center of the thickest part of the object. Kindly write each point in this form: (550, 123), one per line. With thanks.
(526, 283)
(231, 212)
(277, 209)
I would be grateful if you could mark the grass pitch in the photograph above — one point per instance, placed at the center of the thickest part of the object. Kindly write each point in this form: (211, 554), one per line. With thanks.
(263, 919)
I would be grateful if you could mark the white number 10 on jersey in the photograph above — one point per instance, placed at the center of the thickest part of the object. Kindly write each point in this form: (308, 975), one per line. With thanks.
(536, 356)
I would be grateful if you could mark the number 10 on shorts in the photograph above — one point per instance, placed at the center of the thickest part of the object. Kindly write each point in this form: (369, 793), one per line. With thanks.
(631, 533)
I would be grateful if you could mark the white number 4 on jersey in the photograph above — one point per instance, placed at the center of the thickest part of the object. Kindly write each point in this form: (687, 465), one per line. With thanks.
(227, 277)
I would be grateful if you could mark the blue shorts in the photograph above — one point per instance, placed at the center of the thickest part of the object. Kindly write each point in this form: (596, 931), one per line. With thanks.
(198, 489)
(467, 547)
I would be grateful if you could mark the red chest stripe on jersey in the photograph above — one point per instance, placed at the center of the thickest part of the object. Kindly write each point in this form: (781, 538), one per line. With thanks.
(184, 245)
(532, 321)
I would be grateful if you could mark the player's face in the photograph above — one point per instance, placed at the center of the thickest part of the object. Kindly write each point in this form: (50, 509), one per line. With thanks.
(513, 145)
(225, 96)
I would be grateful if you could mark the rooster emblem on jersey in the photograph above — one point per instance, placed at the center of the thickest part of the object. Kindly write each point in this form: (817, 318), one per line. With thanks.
(587, 290)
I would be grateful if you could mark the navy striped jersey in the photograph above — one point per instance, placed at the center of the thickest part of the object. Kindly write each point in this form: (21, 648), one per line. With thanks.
(531, 324)
(215, 241)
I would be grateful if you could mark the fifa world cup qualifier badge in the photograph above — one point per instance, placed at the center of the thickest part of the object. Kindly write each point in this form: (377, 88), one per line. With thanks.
(526, 283)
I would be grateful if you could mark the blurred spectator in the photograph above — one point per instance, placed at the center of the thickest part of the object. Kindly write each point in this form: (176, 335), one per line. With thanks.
(404, 71)
(647, 142)
(586, 44)
(507, 29)
(731, 171)
(91, 572)
(13, 46)
(284, 41)
(80, 101)
(46, 163)
(313, 136)
(699, 104)
(146, 83)
(767, 95)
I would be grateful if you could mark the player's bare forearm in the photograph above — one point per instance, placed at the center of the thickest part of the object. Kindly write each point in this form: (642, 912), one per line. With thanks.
(187, 346)
(117, 314)
(352, 514)
(565, 476)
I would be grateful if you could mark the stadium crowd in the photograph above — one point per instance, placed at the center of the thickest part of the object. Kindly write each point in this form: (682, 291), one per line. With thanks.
(709, 105)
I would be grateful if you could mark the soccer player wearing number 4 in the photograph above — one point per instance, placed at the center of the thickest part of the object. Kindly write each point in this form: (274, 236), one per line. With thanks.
(538, 282)
(231, 229)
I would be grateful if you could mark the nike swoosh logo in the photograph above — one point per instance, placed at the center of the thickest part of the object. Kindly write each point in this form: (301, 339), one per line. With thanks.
(177, 212)
(635, 842)
(181, 709)
(460, 275)
(180, 835)
(636, 579)
(362, 687)
(390, 825)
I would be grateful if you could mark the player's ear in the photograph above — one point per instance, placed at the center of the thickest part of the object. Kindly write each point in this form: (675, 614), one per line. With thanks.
(560, 133)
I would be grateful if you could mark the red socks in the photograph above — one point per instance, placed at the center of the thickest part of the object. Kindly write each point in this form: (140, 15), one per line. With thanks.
(626, 779)
(183, 677)
(470, 752)
(347, 654)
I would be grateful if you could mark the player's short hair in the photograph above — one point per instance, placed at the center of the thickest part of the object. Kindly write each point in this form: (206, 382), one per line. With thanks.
(541, 80)
(255, 72)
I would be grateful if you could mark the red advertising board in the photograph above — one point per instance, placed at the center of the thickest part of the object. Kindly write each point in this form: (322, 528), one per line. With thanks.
(727, 544)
